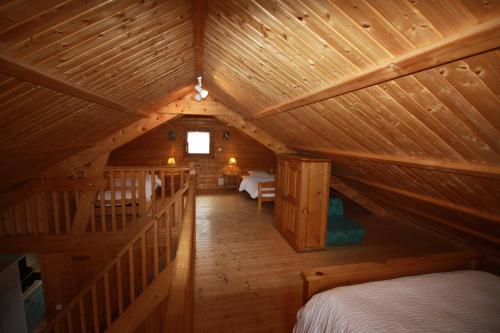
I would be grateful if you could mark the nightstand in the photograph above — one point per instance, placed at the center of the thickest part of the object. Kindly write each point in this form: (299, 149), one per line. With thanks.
(231, 180)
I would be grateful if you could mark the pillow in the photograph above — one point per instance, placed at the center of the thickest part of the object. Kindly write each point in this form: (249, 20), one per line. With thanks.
(257, 173)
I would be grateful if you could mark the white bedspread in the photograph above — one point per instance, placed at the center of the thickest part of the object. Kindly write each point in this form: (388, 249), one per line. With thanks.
(128, 193)
(461, 301)
(251, 184)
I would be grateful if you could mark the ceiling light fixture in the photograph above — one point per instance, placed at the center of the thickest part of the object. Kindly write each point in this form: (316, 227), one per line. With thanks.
(201, 93)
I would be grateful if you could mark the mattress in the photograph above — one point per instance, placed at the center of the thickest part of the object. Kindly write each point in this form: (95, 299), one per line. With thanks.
(251, 185)
(461, 301)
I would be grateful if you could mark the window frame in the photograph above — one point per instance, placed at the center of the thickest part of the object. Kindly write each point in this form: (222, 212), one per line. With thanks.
(210, 147)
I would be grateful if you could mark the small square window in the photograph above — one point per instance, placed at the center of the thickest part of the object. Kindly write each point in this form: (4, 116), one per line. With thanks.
(198, 142)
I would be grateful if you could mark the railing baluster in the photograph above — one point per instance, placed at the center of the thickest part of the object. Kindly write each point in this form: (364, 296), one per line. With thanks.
(123, 182)
(153, 191)
(143, 263)
(95, 310)
(102, 204)
(113, 199)
(107, 300)
(142, 194)
(119, 284)
(168, 236)
(67, 219)
(83, 321)
(55, 207)
(131, 271)
(163, 184)
(134, 198)
(155, 248)
(69, 321)
(172, 183)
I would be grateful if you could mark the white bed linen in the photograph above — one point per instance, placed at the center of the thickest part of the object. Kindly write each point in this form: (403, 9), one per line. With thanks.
(128, 193)
(461, 301)
(251, 184)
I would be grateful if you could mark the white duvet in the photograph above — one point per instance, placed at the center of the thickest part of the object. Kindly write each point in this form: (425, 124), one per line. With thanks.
(148, 189)
(461, 301)
(251, 184)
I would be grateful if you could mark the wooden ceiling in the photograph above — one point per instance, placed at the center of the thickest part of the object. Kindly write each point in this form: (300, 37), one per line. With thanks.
(134, 52)
(301, 70)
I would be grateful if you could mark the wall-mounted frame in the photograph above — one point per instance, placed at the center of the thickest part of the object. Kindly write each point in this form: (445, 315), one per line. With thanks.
(171, 135)
(226, 135)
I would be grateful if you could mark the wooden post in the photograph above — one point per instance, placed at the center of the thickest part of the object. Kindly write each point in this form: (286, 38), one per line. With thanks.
(87, 199)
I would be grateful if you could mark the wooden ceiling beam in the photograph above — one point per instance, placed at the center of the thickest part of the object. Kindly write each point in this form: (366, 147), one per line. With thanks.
(481, 38)
(199, 19)
(477, 170)
(26, 72)
(480, 214)
(188, 106)
(338, 185)
(235, 120)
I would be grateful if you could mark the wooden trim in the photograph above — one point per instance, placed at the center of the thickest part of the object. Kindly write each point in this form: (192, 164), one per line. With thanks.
(26, 72)
(481, 38)
(65, 184)
(477, 170)
(320, 279)
(355, 196)
(64, 243)
(199, 19)
(430, 200)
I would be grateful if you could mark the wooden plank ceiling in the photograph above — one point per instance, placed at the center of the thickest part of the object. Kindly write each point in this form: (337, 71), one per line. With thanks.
(259, 55)
(134, 52)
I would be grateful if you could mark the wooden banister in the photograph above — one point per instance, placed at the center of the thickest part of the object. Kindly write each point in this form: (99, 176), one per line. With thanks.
(146, 261)
(179, 316)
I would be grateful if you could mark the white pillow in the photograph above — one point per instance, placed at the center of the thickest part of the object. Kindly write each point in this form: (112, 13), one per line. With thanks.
(257, 173)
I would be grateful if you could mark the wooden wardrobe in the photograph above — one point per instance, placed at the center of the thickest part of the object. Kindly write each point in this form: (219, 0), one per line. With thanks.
(301, 209)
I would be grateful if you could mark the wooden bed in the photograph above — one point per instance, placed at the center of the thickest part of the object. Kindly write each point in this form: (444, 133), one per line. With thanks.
(319, 279)
(438, 292)
(265, 190)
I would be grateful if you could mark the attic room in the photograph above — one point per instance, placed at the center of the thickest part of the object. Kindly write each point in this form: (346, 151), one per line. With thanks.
(252, 165)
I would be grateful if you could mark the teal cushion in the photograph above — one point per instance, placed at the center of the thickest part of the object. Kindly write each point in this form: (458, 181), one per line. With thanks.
(342, 231)
(335, 207)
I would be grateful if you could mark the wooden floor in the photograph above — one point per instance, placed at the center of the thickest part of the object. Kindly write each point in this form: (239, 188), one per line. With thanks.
(247, 276)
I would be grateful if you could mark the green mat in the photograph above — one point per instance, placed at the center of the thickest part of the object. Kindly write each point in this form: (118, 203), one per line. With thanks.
(342, 231)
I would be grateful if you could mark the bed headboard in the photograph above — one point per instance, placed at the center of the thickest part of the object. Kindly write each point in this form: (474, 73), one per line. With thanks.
(320, 279)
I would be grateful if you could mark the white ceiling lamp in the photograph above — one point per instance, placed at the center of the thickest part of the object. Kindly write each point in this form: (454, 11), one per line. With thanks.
(201, 93)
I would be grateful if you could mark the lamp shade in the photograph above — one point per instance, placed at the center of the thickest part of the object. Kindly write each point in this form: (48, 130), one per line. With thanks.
(232, 160)
(171, 161)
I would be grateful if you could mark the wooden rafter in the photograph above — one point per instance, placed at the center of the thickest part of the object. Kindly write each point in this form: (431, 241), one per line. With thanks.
(199, 18)
(23, 71)
(481, 214)
(254, 132)
(337, 184)
(477, 170)
(188, 106)
(479, 39)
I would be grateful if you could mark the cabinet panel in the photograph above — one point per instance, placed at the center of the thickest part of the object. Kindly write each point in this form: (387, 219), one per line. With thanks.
(302, 199)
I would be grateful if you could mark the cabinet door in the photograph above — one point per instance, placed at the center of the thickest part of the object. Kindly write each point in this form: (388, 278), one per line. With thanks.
(292, 182)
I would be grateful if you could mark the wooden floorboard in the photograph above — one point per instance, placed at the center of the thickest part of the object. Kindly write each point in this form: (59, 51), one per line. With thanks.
(247, 276)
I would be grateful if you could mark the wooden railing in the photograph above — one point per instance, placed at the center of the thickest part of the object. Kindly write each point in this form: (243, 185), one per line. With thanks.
(153, 253)
(123, 197)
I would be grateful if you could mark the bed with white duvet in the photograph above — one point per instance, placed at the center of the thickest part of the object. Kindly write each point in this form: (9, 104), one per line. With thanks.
(251, 182)
(460, 301)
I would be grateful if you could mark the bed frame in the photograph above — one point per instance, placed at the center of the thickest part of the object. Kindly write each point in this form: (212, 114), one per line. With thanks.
(266, 188)
(320, 279)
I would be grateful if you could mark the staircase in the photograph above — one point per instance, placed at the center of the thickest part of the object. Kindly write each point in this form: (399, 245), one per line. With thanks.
(155, 266)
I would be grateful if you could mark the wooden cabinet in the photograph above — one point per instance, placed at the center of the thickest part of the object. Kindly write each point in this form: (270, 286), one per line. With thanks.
(301, 209)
